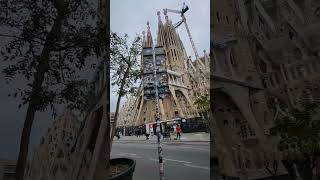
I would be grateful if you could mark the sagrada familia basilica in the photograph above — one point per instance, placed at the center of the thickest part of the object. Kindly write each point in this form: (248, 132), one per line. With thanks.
(187, 80)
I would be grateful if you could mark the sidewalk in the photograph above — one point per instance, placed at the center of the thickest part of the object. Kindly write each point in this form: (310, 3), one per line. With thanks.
(185, 137)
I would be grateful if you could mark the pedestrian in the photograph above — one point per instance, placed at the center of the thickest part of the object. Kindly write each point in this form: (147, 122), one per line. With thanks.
(178, 130)
(118, 135)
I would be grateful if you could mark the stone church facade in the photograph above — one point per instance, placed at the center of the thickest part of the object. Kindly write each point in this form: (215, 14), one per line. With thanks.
(265, 55)
(51, 159)
(187, 80)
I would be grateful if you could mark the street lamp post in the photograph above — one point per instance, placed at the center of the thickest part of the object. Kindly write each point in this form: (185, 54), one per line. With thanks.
(124, 128)
(161, 170)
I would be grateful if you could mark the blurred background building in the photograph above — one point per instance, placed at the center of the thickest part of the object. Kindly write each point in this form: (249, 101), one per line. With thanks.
(264, 58)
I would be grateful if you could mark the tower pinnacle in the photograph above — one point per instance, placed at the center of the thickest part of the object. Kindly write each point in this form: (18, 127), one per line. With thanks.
(143, 36)
(166, 15)
(148, 42)
(159, 18)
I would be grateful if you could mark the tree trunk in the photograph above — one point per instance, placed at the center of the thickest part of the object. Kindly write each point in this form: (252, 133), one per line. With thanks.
(24, 142)
(118, 106)
(41, 69)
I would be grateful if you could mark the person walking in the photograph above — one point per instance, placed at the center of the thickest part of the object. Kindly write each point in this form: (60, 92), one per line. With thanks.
(178, 130)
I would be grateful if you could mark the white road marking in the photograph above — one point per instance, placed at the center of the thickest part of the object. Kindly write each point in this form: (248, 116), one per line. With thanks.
(165, 159)
(156, 160)
(129, 154)
(177, 161)
(195, 166)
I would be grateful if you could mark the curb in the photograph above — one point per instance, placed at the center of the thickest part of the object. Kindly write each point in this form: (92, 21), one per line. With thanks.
(155, 142)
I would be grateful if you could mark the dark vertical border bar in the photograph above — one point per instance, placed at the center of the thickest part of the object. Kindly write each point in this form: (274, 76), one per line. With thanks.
(107, 82)
(211, 94)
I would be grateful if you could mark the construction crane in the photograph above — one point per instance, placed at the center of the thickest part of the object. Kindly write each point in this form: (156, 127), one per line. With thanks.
(184, 20)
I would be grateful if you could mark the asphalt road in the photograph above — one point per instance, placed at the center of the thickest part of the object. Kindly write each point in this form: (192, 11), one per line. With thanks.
(183, 161)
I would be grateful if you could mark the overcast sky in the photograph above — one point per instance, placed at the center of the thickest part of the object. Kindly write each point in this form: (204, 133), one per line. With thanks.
(128, 16)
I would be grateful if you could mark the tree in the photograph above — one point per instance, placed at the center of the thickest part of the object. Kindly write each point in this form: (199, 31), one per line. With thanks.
(299, 133)
(203, 105)
(202, 102)
(124, 67)
(48, 43)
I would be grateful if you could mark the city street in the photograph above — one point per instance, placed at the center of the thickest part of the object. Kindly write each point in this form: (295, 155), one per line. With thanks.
(183, 160)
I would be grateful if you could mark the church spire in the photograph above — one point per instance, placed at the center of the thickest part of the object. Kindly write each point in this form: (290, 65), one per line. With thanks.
(143, 37)
(159, 19)
(166, 15)
(148, 42)
(160, 30)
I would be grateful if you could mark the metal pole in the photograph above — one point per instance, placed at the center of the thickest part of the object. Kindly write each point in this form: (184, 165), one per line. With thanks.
(161, 171)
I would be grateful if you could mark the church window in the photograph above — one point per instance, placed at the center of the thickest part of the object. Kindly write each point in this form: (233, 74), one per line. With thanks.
(263, 67)
(268, 36)
(55, 169)
(225, 122)
(251, 131)
(247, 160)
(317, 11)
(293, 73)
(60, 154)
(291, 35)
(308, 68)
(237, 121)
(260, 21)
(277, 78)
(271, 81)
(218, 16)
(176, 113)
(314, 66)
(317, 66)
(286, 74)
(235, 159)
(299, 71)
(232, 60)
(243, 131)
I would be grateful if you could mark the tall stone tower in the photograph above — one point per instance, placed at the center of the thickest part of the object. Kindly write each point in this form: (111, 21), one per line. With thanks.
(179, 102)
